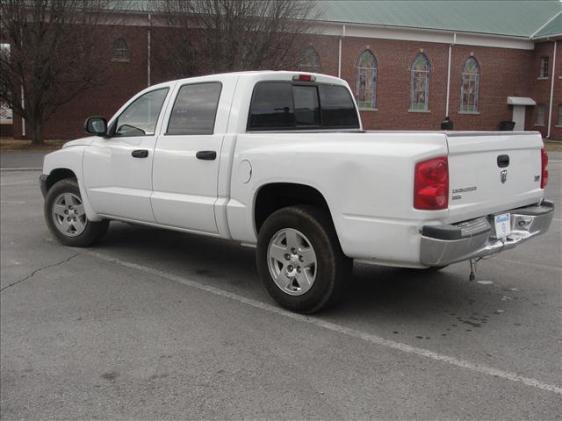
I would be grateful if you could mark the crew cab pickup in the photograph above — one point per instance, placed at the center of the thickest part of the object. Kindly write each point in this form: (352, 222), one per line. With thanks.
(279, 160)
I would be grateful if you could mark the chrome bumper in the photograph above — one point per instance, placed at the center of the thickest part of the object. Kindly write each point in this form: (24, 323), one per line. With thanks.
(442, 245)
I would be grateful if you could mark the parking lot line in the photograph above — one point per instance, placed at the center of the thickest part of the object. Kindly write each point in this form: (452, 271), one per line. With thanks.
(367, 337)
(537, 265)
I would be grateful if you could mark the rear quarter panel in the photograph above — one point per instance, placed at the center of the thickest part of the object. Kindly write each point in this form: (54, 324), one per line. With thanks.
(366, 179)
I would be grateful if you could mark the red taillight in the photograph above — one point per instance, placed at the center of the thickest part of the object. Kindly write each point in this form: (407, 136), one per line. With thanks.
(304, 78)
(544, 168)
(431, 184)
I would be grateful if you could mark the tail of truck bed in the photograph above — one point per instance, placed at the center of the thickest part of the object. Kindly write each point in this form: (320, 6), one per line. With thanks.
(492, 172)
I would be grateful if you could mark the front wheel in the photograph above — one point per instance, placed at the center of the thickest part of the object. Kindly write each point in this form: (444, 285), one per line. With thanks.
(300, 260)
(66, 217)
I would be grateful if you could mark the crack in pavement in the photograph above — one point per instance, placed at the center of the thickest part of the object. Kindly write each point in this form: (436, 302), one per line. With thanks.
(36, 271)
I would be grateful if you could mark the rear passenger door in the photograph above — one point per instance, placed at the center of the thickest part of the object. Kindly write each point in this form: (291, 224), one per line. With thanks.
(186, 159)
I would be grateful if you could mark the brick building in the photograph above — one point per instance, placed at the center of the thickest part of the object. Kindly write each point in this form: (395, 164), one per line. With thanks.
(409, 63)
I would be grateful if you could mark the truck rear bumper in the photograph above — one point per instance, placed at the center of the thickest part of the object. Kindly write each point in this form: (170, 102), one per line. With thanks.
(442, 245)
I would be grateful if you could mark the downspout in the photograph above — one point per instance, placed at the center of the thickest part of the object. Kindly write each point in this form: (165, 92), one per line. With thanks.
(552, 77)
(148, 41)
(22, 91)
(340, 50)
(23, 108)
(449, 74)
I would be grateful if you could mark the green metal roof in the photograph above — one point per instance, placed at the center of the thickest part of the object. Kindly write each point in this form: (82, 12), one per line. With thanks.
(515, 18)
(503, 17)
(551, 29)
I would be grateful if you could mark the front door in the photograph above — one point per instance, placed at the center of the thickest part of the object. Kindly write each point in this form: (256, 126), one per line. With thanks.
(118, 169)
(186, 161)
(519, 117)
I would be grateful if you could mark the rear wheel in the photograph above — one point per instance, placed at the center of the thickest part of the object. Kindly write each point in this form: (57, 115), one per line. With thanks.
(299, 259)
(66, 217)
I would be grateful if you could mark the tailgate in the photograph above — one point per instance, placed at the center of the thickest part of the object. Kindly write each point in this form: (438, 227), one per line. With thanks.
(482, 181)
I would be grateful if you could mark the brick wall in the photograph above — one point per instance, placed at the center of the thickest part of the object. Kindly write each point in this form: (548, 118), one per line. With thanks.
(540, 89)
(123, 80)
(503, 72)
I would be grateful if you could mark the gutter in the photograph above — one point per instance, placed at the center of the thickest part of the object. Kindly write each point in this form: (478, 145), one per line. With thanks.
(340, 42)
(429, 30)
(552, 77)
(449, 74)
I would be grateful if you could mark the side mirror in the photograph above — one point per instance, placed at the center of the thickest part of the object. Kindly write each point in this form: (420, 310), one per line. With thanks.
(96, 126)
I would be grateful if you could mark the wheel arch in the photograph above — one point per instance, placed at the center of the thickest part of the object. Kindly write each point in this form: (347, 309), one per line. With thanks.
(58, 174)
(64, 173)
(273, 196)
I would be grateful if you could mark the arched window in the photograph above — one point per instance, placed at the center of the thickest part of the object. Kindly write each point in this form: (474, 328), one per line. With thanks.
(309, 61)
(366, 90)
(419, 96)
(470, 86)
(120, 51)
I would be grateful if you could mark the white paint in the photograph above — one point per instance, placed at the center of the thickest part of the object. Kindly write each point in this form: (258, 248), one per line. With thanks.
(521, 100)
(116, 183)
(368, 31)
(173, 189)
(353, 333)
(423, 35)
(340, 41)
(448, 80)
(551, 90)
(472, 162)
(485, 282)
(519, 117)
(244, 171)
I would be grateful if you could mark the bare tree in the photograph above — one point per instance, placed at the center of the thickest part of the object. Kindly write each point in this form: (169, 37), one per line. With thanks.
(51, 58)
(231, 35)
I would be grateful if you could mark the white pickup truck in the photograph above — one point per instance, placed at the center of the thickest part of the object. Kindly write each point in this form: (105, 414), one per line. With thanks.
(279, 160)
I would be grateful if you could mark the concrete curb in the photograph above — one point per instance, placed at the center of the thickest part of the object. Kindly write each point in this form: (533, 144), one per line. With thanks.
(19, 169)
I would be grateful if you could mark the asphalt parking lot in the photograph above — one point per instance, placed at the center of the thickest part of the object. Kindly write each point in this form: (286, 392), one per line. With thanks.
(152, 324)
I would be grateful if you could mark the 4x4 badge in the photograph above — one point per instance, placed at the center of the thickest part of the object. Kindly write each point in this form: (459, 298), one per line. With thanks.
(503, 176)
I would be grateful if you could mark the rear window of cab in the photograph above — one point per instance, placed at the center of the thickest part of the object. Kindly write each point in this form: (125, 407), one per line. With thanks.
(283, 105)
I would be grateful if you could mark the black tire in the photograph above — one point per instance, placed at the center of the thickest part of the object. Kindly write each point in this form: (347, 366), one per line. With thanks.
(332, 267)
(92, 232)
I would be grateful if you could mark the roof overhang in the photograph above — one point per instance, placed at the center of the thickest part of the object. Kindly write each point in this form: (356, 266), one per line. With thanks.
(520, 100)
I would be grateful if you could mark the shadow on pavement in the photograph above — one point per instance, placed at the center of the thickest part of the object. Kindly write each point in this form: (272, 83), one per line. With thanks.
(404, 293)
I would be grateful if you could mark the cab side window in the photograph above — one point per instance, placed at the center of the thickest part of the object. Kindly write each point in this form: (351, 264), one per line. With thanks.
(140, 118)
(195, 109)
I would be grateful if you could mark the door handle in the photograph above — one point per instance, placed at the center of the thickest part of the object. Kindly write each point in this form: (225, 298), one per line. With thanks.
(206, 155)
(140, 153)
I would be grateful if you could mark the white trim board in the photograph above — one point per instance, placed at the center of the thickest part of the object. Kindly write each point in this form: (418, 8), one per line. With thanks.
(406, 34)
(367, 31)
